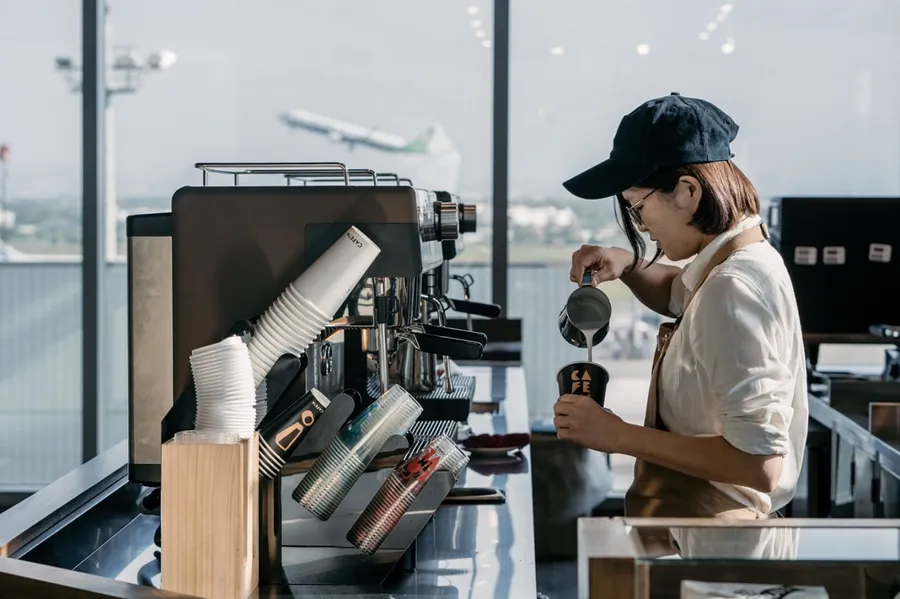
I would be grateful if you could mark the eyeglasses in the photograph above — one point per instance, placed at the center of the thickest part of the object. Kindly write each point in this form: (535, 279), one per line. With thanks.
(634, 209)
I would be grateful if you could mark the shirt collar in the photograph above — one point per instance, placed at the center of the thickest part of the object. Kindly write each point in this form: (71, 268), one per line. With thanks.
(694, 270)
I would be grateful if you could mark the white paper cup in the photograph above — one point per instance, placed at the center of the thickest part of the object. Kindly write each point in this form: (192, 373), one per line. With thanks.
(304, 308)
(226, 391)
(300, 314)
(268, 344)
(217, 360)
(232, 342)
(223, 381)
(330, 279)
(291, 326)
(262, 404)
(280, 331)
(292, 296)
(204, 437)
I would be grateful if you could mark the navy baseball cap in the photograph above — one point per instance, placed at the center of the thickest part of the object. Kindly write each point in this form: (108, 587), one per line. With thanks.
(664, 132)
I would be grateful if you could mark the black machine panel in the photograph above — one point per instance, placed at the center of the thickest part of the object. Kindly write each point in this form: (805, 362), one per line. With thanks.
(843, 255)
(235, 249)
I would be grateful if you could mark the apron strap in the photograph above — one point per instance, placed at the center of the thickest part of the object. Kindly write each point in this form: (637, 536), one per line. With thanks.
(732, 246)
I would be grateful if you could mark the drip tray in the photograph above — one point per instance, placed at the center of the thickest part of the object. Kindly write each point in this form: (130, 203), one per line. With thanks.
(424, 431)
(438, 404)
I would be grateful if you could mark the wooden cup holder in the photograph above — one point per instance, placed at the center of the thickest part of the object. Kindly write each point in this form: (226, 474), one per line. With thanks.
(210, 519)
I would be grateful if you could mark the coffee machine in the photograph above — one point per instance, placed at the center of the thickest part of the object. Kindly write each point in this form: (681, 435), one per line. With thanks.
(449, 396)
(210, 267)
(417, 337)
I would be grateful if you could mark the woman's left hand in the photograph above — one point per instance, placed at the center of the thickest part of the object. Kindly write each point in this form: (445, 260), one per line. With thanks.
(579, 419)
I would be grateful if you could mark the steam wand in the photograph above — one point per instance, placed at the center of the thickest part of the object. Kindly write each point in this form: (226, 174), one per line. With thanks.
(466, 281)
(436, 303)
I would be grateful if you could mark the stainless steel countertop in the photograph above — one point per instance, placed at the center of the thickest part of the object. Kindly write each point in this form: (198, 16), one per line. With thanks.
(473, 551)
(851, 424)
(477, 552)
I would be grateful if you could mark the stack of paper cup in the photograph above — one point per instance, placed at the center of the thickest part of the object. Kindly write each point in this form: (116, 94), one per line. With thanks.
(400, 490)
(345, 459)
(331, 278)
(223, 379)
(262, 403)
(303, 309)
(207, 438)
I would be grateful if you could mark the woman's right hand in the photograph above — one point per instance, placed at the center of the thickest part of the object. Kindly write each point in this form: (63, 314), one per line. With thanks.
(607, 264)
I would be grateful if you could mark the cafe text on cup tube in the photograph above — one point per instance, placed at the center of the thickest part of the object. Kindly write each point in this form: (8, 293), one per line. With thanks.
(583, 378)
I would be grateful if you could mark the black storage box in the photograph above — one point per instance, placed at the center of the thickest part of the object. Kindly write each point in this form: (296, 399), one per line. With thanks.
(843, 255)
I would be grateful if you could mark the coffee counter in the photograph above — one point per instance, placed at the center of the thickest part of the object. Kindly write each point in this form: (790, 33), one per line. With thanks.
(468, 551)
(633, 558)
(854, 467)
(471, 551)
(850, 421)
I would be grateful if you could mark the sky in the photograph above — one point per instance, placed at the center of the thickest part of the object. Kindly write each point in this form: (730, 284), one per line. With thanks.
(814, 85)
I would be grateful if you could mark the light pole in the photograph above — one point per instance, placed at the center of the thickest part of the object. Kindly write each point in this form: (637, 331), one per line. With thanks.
(124, 70)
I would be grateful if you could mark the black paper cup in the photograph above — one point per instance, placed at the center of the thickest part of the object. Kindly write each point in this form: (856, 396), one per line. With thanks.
(583, 378)
(281, 435)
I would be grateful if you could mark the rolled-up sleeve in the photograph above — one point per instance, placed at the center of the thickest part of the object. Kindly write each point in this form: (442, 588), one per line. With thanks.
(735, 336)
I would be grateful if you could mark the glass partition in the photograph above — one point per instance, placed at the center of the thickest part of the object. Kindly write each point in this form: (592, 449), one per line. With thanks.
(813, 84)
(40, 243)
(395, 86)
(648, 558)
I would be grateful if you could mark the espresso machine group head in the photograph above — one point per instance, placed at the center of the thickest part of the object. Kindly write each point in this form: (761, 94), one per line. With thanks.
(418, 336)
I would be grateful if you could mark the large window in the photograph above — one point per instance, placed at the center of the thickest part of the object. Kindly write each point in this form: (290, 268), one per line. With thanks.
(401, 86)
(404, 87)
(814, 85)
(40, 212)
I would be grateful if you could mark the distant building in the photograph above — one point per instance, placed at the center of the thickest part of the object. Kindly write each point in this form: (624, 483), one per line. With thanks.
(541, 217)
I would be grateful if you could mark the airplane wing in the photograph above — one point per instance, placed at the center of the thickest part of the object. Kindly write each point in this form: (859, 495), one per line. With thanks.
(341, 131)
(432, 140)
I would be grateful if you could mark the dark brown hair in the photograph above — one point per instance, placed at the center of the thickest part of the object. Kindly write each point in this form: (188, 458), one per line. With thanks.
(727, 196)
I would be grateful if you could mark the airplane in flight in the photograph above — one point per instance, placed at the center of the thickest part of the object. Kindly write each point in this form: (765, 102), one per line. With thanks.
(433, 140)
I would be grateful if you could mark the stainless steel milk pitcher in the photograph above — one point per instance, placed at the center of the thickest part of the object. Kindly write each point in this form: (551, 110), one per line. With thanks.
(587, 309)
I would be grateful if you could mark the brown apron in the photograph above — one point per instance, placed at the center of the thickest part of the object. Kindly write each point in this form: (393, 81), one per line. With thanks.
(664, 493)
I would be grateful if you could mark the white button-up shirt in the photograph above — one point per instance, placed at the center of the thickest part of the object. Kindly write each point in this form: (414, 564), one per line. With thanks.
(736, 366)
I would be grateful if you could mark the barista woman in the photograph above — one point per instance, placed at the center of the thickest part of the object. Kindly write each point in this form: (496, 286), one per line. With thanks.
(726, 419)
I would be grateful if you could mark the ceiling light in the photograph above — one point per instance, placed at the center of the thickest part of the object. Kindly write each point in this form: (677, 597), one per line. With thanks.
(643, 49)
(472, 10)
(557, 51)
(480, 33)
(486, 43)
(726, 8)
(476, 24)
(721, 18)
(728, 47)
(712, 26)
(704, 36)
